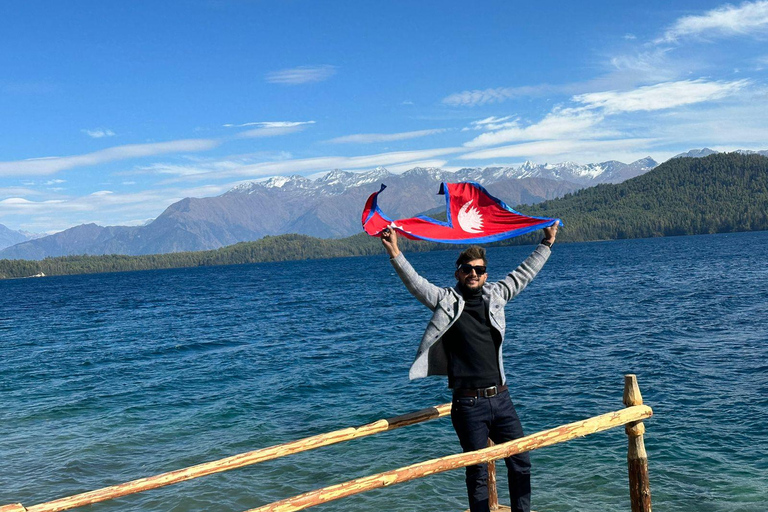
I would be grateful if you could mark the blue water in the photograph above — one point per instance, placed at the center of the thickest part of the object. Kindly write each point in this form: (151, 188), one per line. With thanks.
(107, 378)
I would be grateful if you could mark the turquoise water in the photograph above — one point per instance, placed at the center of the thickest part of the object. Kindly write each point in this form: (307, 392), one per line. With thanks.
(108, 378)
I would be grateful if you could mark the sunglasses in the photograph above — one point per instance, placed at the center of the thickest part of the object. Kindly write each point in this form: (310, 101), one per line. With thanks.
(466, 268)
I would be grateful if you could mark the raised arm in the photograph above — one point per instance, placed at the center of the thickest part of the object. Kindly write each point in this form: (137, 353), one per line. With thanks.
(518, 279)
(427, 293)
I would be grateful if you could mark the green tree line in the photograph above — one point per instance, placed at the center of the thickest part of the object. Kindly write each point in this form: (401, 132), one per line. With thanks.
(683, 196)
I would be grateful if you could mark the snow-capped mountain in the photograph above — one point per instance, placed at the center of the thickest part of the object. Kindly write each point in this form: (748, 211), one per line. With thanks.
(326, 207)
(337, 182)
(9, 237)
(750, 152)
(701, 153)
(696, 153)
(582, 174)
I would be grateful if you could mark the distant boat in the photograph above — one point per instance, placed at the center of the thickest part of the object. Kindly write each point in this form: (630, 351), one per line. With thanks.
(39, 274)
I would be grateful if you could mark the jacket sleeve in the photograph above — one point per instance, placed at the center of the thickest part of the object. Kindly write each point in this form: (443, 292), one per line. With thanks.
(518, 279)
(426, 292)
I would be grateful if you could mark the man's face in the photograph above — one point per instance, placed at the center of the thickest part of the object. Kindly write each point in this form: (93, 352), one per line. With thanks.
(468, 277)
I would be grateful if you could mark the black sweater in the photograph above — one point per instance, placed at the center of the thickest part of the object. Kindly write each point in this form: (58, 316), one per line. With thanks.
(472, 345)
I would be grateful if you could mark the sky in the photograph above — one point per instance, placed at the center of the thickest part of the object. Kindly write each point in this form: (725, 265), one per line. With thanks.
(112, 111)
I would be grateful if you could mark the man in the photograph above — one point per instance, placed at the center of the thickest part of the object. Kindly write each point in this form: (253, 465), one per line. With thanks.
(463, 341)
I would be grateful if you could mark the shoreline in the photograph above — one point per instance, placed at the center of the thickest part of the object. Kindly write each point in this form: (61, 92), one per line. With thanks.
(246, 253)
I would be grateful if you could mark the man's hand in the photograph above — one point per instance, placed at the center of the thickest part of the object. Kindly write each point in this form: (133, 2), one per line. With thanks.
(389, 240)
(550, 234)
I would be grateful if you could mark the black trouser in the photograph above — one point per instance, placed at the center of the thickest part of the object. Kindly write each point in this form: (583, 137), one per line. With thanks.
(475, 421)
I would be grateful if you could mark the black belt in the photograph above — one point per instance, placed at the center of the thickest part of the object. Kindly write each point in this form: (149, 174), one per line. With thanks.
(480, 393)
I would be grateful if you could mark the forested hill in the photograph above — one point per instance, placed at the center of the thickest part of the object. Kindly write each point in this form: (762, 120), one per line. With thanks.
(683, 196)
(721, 193)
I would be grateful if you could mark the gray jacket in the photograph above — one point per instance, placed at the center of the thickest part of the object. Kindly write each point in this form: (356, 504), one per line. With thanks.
(447, 304)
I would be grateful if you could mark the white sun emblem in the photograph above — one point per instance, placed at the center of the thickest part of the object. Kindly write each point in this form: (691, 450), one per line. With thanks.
(394, 225)
(470, 219)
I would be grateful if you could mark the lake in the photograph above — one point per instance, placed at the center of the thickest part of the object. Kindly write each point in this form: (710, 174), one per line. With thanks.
(111, 377)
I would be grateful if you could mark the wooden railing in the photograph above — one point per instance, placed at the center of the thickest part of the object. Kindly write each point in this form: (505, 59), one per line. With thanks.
(631, 417)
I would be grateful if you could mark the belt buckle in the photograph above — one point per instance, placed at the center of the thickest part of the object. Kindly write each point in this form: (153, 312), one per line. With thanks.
(489, 392)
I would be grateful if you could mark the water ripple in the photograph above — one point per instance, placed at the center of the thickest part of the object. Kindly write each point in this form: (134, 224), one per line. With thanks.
(107, 378)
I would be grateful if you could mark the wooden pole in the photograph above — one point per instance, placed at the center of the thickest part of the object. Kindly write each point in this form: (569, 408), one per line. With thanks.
(493, 492)
(430, 467)
(235, 461)
(13, 507)
(637, 459)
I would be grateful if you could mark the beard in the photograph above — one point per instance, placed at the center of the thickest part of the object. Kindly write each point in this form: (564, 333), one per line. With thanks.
(471, 287)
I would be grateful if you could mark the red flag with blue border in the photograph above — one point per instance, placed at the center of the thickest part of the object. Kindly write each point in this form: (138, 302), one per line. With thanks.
(472, 216)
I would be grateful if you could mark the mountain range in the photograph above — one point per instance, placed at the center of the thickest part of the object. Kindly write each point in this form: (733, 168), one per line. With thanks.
(704, 152)
(721, 193)
(327, 207)
(9, 237)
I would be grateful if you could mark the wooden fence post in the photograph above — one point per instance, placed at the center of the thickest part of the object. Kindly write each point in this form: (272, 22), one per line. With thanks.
(13, 507)
(637, 459)
(493, 493)
(460, 460)
(234, 461)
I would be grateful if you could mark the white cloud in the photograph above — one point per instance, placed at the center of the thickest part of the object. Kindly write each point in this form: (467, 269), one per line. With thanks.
(20, 202)
(493, 123)
(563, 148)
(646, 66)
(301, 75)
(596, 126)
(240, 159)
(728, 20)
(210, 167)
(368, 138)
(54, 182)
(269, 124)
(320, 164)
(17, 191)
(348, 163)
(660, 96)
(171, 169)
(243, 125)
(495, 95)
(103, 207)
(740, 125)
(99, 133)
(51, 165)
(273, 128)
(560, 123)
